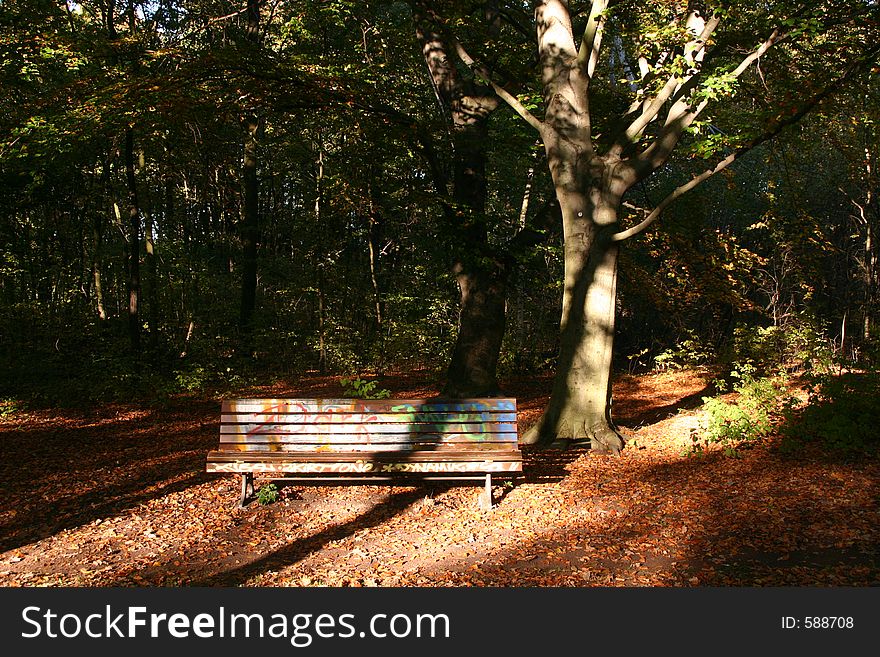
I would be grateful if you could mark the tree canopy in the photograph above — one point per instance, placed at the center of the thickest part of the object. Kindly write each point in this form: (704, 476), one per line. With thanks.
(206, 192)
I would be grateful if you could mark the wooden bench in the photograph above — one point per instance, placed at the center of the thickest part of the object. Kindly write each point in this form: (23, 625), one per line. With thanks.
(367, 441)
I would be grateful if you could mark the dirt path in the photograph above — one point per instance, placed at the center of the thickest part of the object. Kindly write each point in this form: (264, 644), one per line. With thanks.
(119, 497)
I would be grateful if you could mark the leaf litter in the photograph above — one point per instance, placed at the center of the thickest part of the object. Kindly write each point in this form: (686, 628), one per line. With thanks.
(117, 496)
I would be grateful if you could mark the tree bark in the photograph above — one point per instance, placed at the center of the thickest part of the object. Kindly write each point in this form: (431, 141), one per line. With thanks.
(250, 228)
(482, 317)
(479, 269)
(134, 246)
(480, 272)
(97, 258)
(589, 193)
(579, 409)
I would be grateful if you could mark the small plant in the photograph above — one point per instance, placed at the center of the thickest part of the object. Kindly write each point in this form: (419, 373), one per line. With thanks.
(842, 415)
(268, 494)
(362, 389)
(689, 352)
(760, 405)
(9, 407)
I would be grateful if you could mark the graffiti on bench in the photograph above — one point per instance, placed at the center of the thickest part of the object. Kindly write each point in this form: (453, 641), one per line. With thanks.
(370, 421)
(366, 467)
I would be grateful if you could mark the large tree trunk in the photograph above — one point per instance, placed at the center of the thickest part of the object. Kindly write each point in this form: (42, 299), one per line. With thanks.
(589, 189)
(580, 403)
(474, 364)
(479, 269)
(481, 276)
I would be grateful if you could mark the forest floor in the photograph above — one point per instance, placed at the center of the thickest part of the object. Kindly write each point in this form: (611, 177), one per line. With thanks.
(117, 495)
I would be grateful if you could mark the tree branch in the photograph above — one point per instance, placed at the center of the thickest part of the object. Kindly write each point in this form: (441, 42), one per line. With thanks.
(500, 91)
(694, 48)
(591, 42)
(681, 115)
(765, 136)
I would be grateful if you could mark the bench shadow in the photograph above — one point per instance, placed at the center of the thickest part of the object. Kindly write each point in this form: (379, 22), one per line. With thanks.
(545, 465)
(383, 510)
(646, 542)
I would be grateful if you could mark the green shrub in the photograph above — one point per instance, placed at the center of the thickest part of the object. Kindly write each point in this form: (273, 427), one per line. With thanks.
(690, 352)
(10, 407)
(798, 344)
(761, 404)
(842, 414)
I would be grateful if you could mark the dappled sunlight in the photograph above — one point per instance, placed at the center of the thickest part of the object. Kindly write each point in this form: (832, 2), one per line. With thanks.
(654, 516)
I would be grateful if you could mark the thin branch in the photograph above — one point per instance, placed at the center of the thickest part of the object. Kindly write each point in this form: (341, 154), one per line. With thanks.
(500, 91)
(773, 39)
(591, 42)
(694, 48)
(767, 135)
(679, 191)
(681, 115)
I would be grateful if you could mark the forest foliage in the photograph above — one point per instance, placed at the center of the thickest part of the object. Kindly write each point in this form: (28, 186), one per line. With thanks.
(123, 131)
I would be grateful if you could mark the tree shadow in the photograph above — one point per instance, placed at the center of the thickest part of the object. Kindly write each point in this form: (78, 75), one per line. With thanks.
(750, 526)
(65, 473)
(298, 550)
(652, 415)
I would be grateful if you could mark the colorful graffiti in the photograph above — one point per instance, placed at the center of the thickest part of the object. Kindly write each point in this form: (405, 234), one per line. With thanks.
(366, 467)
(358, 421)
(290, 437)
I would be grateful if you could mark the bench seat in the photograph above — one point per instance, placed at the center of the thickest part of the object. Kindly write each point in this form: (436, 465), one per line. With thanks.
(367, 440)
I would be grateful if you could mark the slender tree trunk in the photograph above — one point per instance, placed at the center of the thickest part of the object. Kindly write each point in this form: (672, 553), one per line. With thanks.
(319, 266)
(376, 235)
(249, 229)
(374, 247)
(870, 279)
(97, 252)
(322, 318)
(250, 221)
(152, 283)
(134, 246)
(869, 214)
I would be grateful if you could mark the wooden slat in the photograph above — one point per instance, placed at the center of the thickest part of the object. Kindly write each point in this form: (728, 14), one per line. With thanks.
(507, 454)
(311, 448)
(347, 428)
(367, 405)
(371, 438)
(366, 467)
(510, 461)
(367, 439)
(332, 417)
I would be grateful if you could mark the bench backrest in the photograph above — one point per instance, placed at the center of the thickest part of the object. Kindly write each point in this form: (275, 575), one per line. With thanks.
(367, 425)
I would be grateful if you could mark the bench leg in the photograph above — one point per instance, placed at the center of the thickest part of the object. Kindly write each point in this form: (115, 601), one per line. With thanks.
(486, 496)
(247, 488)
